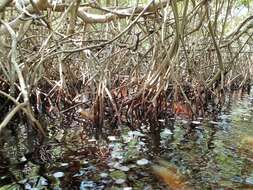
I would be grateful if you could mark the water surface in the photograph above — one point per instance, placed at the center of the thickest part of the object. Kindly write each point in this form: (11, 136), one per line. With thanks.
(213, 153)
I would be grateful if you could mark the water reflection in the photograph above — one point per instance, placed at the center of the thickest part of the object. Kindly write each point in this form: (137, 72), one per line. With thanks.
(211, 153)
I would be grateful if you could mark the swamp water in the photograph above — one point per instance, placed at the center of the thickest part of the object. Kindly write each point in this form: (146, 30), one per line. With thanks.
(207, 154)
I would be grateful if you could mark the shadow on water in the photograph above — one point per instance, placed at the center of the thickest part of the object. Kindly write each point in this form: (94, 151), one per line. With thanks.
(214, 153)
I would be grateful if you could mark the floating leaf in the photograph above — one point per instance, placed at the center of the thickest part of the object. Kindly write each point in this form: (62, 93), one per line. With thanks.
(214, 122)
(58, 174)
(103, 175)
(118, 175)
(87, 185)
(112, 138)
(120, 181)
(196, 122)
(166, 133)
(120, 167)
(127, 188)
(142, 162)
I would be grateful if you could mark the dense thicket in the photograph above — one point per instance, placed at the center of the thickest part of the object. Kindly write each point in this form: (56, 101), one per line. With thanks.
(120, 58)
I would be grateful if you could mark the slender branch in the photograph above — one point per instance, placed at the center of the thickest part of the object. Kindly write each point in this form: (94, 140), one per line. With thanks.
(14, 62)
(10, 115)
(28, 114)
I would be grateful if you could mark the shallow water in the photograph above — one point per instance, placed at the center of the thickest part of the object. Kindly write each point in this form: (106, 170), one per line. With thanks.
(209, 153)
